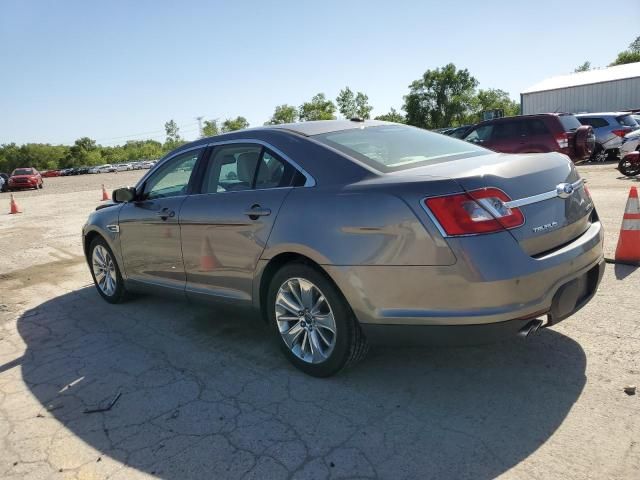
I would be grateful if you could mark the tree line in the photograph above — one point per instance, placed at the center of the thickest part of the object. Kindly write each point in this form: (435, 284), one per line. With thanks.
(442, 97)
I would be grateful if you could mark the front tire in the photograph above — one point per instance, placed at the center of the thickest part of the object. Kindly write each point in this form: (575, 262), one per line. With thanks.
(105, 271)
(313, 323)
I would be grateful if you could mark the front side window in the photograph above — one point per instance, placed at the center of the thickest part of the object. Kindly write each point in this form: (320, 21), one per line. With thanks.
(480, 134)
(173, 178)
(508, 130)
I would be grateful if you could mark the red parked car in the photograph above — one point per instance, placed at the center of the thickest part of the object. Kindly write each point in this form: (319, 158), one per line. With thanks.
(25, 178)
(546, 132)
(51, 173)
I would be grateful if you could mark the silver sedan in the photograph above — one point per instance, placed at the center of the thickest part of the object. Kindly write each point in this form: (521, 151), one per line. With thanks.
(345, 233)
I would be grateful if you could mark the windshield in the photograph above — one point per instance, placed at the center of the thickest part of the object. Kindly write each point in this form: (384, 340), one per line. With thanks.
(396, 147)
(22, 171)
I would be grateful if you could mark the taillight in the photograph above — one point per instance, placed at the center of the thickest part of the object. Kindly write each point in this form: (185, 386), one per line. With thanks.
(562, 139)
(478, 211)
(621, 132)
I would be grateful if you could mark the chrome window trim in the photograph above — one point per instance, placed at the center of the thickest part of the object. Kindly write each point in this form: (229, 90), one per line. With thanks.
(541, 197)
(309, 182)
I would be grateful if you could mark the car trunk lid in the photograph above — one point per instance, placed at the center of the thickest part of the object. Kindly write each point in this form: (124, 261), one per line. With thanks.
(545, 187)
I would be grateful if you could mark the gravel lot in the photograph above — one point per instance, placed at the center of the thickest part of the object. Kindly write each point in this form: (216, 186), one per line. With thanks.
(206, 394)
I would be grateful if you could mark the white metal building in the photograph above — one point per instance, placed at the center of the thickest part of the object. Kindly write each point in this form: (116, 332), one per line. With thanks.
(604, 90)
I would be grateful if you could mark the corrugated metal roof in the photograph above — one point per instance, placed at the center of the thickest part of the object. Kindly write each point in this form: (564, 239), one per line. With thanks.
(619, 72)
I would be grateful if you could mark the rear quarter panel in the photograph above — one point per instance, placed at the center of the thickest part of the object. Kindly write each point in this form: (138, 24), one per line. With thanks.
(355, 226)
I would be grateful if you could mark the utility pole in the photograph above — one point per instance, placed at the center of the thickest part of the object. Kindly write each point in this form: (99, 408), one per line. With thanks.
(200, 125)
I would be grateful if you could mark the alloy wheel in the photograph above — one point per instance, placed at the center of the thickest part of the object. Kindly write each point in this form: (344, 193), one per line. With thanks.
(104, 270)
(305, 320)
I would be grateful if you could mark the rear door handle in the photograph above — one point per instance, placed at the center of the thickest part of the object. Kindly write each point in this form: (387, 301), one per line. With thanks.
(257, 211)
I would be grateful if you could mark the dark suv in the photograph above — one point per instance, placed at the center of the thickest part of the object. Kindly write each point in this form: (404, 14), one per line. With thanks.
(546, 132)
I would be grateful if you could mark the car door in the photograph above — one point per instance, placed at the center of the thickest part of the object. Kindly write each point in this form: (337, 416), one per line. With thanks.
(149, 228)
(226, 226)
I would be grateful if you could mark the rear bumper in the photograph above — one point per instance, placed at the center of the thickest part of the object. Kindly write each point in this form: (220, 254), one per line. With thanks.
(568, 299)
(493, 281)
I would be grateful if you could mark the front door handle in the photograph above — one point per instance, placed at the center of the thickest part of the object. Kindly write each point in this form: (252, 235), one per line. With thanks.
(257, 211)
(166, 213)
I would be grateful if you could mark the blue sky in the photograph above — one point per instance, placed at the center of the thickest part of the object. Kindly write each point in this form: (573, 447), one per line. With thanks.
(111, 70)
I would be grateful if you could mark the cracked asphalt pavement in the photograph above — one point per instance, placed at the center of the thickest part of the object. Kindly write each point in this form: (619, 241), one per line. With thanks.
(201, 393)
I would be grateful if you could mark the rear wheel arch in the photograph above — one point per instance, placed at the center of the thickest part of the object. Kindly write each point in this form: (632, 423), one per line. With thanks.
(274, 265)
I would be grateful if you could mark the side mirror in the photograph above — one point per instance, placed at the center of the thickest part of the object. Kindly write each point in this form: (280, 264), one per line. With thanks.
(123, 195)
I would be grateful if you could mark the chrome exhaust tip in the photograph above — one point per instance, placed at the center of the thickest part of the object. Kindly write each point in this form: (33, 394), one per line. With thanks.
(530, 328)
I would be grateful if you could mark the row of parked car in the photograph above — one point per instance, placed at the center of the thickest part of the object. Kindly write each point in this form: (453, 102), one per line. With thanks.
(106, 168)
(589, 136)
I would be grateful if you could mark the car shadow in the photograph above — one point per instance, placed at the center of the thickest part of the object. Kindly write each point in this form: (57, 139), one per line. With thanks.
(193, 393)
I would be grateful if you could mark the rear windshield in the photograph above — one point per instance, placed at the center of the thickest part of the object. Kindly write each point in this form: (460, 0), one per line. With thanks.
(627, 121)
(22, 171)
(569, 122)
(397, 147)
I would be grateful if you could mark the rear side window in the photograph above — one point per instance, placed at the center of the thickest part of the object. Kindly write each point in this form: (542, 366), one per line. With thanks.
(232, 168)
(569, 122)
(627, 121)
(595, 122)
(273, 172)
(536, 126)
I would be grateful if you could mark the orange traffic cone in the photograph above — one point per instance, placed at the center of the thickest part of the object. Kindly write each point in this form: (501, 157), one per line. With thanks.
(208, 261)
(105, 195)
(13, 206)
(628, 250)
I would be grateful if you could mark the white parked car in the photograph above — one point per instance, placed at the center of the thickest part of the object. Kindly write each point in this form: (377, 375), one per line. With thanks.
(123, 167)
(106, 168)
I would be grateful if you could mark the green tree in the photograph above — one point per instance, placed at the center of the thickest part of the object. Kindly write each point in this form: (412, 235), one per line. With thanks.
(231, 124)
(83, 152)
(392, 116)
(631, 55)
(491, 99)
(283, 114)
(172, 131)
(585, 67)
(210, 128)
(363, 109)
(441, 98)
(346, 101)
(352, 105)
(319, 108)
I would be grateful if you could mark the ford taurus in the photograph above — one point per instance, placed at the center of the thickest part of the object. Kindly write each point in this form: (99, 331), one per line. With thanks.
(345, 233)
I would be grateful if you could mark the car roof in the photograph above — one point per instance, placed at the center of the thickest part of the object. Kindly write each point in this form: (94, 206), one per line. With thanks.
(602, 114)
(319, 127)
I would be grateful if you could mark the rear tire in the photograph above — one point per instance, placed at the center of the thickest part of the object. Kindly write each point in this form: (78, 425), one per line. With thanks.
(105, 271)
(598, 154)
(327, 337)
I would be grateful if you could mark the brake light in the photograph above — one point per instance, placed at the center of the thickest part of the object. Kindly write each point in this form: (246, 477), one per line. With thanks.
(562, 139)
(478, 211)
(621, 132)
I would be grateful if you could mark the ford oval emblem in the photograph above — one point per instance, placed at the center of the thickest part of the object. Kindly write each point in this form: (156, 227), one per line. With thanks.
(564, 190)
